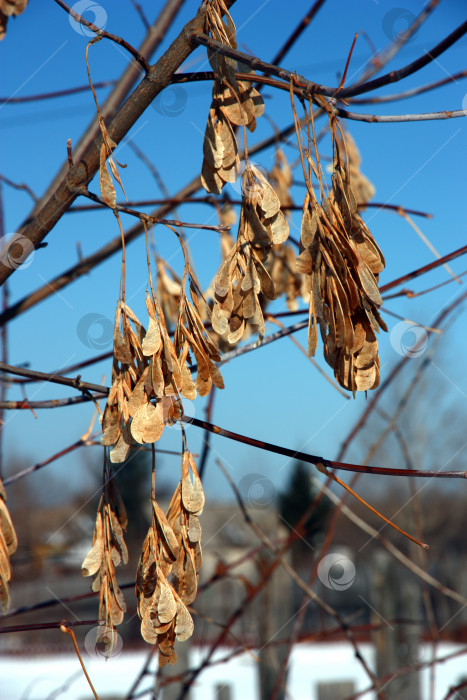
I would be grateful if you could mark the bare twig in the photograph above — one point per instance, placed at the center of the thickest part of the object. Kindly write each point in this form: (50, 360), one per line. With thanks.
(105, 35)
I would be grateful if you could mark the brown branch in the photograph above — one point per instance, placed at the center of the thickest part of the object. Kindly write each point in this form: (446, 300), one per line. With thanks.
(382, 58)
(47, 626)
(302, 25)
(214, 201)
(75, 383)
(50, 403)
(21, 186)
(315, 459)
(147, 217)
(410, 93)
(294, 454)
(303, 91)
(312, 88)
(426, 268)
(101, 33)
(56, 93)
(411, 294)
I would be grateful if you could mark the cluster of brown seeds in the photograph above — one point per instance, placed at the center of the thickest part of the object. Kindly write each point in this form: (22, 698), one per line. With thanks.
(341, 262)
(243, 275)
(172, 548)
(234, 103)
(362, 188)
(107, 552)
(8, 545)
(151, 373)
(280, 177)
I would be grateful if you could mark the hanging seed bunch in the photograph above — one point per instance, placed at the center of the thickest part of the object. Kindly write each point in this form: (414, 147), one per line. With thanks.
(227, 217)
(169, 289)
(282, 267)
(362, 188)
(129, 365)
(10, 8)
(280, 177)
(243, 275)
(172, 549)
(8, 545)
(151, 373)
(108, 551)
(341, 262)
(191, 337)
(234, 103)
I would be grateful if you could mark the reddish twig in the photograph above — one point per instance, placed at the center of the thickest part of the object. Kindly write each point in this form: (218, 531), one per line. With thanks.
(105, 35)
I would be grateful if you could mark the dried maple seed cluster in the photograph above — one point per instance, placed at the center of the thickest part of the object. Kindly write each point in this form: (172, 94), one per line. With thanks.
(172, 548)
(150, 372)
(281, 179)
(234, 103)
(8, 545)
(341, 262)
(169, 290)
(362, 188)
(243, 275)
(108, 551)
(282, 267)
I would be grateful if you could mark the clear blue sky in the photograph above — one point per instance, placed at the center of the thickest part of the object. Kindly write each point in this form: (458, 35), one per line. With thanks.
(273, 393)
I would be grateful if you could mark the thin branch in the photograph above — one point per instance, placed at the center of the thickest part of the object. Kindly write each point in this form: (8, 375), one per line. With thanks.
(215, 201)
(101, 33)
(51, 403)
(315, 459)
(409, 93)
(303, 91)
(379, 60)
(147, 217)
(313, 88)
(411, 294)
(56, 93)
(75, 383)
(299, 29)
(48, 626)
(426, 268)
(141, 14)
